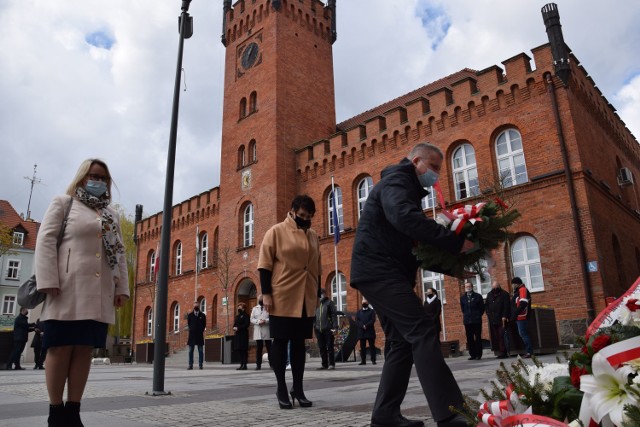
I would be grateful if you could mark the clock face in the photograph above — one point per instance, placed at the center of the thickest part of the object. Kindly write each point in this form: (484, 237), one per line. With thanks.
(250, 55)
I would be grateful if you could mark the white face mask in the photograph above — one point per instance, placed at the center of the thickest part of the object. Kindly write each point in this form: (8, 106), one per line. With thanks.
(96, 188)
(428, 178)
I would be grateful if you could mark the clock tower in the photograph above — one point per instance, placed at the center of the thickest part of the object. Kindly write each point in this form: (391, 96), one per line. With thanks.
(278, 97)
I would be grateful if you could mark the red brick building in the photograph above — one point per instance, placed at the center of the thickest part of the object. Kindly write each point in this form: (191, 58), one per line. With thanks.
(563, 155)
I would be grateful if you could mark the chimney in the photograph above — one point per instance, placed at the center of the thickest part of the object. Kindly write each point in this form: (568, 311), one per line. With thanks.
(138, 218)
(559, 49)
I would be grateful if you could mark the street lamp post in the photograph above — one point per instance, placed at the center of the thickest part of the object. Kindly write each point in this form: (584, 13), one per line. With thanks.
(185, 23)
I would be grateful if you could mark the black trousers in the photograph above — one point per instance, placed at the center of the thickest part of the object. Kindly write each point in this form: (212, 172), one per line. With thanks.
(38, 355)
(474, 339)
(18, 348)
(325, 344)
(279, 363)
(414, 339)
(372, 348)
(259, 346)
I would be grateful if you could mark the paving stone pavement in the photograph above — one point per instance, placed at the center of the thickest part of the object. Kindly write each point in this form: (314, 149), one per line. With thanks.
(218, 395)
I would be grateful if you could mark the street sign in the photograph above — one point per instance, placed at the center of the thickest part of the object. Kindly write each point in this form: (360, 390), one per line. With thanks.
(592, 266)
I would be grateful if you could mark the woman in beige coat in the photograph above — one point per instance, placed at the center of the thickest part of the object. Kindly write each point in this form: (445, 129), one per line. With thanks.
(84, 279)
(289, 266)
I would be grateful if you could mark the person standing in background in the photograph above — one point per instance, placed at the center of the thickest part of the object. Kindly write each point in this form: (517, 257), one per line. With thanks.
(21, 329)
(433, 307)
(197, 322)
(365, 319)
(472, 306)
(241, 339)
(260, 320)
(521, 302)
(498, 312)
(36, 345)
(325, 325)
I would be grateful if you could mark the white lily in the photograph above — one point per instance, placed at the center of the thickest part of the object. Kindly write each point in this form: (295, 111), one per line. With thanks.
(607, 390)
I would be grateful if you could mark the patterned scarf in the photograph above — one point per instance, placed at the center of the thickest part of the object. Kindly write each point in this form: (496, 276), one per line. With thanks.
(110, 236)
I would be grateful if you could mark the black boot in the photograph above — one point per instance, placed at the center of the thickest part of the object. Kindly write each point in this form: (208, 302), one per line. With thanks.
(72, 410)
(57, 416)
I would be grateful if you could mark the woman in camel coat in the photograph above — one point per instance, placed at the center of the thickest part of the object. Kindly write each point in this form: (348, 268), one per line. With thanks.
(289, 266)
(84, 279)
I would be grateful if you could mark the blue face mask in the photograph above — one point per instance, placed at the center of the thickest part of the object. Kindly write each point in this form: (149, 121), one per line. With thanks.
(96, 188)
(428, 178)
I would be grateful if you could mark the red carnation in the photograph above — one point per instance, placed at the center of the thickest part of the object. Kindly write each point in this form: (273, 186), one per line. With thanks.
(632, 304)
(585, 350)
(576, 373)
(600, 342)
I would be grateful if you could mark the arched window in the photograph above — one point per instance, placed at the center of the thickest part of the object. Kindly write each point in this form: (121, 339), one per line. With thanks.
(248, 225)
(178, 258)
(242, 161)
(243, 108)
(364, 188)
(253, 151)
(339, 210)
(465, 173)
(203, 305)
(510, 158)
(149, 321)
(175, 311)
(204, 251)
(429, 201)
(253, 102)
(525, 257)
(433, 280)
(152, 266)
(339, 292)
(481, 283)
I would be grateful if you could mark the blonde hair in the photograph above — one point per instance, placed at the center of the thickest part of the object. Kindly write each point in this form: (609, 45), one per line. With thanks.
(81, 174)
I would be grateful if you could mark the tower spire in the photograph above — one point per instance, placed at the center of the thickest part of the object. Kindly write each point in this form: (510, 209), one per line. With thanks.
(34, 180)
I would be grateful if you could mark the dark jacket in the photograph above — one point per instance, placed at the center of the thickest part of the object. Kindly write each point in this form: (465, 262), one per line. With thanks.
(497, 305)
(21, 328)
(326, 316)
(36, 342)
(520, 303)
(366, 318)
(241, 340)
(472, 308)
(197, 324)
(433, 311)
(392, 222)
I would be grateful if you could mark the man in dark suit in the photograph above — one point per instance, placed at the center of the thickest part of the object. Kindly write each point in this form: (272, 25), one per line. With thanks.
(365, 319)
(197, 322)
(21, 329)
(472, 306)
(384, 269)
(433, 307)
(498, 311)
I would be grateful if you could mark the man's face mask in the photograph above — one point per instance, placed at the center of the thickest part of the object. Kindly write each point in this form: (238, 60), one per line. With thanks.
(302, 223)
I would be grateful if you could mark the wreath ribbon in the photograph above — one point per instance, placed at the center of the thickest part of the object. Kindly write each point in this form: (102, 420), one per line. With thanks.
(467, 213)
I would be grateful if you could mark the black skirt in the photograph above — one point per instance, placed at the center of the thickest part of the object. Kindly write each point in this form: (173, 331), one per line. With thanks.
(290, 327)
(73, 332)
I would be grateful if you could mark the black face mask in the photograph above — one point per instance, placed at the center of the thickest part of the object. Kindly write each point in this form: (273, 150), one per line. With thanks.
(429, 295)
(260, 302)
(302, 223)
(365, 305)
(240, 311)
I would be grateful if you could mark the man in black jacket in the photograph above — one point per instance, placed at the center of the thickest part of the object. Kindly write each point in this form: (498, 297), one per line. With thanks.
(365, 319)
(472, 307)
(325, 325)
(197, 322)
(498, 310)
(21, 329)
(433, 308)
(384, 269)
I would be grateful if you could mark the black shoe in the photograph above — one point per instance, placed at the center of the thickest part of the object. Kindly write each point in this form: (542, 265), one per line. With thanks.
(284, 403)
(454, 421)
(57, 416)
(362, 363)
(199, 367)
(302, 400)
(72, 410)
(472, 358)
(398, 421)
(321, 368)
(35, 367)
(20, 368)
(373, 362)
(258, 368)
(502, 356)
(9, 367)
(189, 368)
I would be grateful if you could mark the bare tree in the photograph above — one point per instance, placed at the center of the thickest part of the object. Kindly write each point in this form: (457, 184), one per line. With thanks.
(6, 240)
(223, 262)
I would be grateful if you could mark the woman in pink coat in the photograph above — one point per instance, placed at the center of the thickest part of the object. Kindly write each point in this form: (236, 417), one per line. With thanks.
(84, 278)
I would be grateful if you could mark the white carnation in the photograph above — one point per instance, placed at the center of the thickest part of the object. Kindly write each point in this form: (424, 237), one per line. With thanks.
(546, 374)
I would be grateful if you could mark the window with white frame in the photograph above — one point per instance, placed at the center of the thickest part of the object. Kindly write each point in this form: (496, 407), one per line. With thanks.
(13, 269)
(465, 173)
(525, 257)
(431, 279)
(481, 282)
(149, 321)
(179, 259)
(364, 188)
(9, 305)
(18, 238)
(203, 305)
(340, 211)
(248, 225)
(176, 317)
(510, 158)
(152, 266)
(429, 201)
(204, 251)
(339, 292)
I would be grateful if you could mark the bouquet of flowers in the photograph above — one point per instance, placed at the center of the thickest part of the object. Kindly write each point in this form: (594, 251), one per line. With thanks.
(600, 386)
(485, 223)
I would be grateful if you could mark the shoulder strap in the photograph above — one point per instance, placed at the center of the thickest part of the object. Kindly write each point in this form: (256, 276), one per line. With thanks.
(64, 222)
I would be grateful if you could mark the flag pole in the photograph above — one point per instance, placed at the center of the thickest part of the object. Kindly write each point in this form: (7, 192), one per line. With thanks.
(195, 297)
(336, 229)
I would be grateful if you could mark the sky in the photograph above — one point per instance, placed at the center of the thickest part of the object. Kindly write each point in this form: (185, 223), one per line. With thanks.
(87, 78)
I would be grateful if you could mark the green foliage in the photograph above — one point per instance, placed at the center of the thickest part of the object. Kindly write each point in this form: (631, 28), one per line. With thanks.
(488, 234)
(124, 314)
(632, 413)
(6, 239)
(566, 399)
